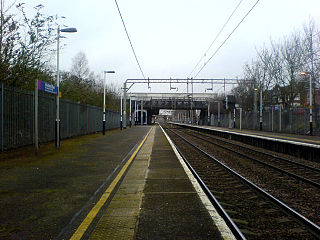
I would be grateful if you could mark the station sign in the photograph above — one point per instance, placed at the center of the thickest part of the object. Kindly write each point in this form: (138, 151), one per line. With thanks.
(47, 87)
(277, 107)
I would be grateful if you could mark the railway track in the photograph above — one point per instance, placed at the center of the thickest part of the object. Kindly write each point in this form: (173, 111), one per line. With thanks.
(300, 171)
(300, 193)
(255, 212)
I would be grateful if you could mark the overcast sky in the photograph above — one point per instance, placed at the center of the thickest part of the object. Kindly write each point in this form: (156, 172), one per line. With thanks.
(170, 36)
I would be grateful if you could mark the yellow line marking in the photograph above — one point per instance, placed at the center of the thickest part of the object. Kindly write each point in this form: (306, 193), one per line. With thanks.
(94, 211)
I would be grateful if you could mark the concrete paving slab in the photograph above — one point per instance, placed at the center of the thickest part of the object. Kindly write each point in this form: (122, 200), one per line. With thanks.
(171, 208)
(168, 185)
(119, 219)
(168, 173)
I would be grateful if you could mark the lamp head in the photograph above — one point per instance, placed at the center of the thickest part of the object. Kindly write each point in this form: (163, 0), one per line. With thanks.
(68, 30)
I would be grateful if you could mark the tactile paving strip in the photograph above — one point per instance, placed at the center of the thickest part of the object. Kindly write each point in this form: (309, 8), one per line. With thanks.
(119, 219)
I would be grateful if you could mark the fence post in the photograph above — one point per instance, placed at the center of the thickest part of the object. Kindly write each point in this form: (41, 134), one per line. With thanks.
(218, 114)
(78, 119)
(68, 118)
(87, 119)
(36, 126)
(234, 118)
(1, 117)
(280, 118)
(290, 119)
(240, 118)
(271, 118)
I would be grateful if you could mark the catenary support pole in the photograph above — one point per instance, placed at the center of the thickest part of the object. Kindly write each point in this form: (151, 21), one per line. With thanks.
(135, 112)
(234, 118)
(254, 108)
(125, 105)
(121, 113)
(141, 114)
(130, 112)
(218, 114)
(208, 114)
(310, 105)
(104, 105)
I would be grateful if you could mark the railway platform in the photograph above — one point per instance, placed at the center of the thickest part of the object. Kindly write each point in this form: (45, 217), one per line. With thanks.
(302, 146)
(276, 135)
(155, 199)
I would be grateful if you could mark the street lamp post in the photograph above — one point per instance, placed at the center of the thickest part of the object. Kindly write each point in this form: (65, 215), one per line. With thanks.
(135, 112)
(209, 114)
(255, 107)
(130, 117)
(104, 102)
(66, 30)
(310, 101)
(121, 112)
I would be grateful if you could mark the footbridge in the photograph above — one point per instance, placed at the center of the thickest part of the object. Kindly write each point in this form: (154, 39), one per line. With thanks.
(149, 104)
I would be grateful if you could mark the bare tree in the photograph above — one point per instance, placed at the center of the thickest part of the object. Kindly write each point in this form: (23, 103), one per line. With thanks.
(80, 67)
(293, 60)
(276, 70)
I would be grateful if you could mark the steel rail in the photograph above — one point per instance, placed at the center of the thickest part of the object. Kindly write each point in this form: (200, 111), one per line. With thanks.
(315, 229)
(267, 154)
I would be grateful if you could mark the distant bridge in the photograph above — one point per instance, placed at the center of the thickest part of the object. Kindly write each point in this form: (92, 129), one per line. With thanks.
(179, 101)
(150, 103)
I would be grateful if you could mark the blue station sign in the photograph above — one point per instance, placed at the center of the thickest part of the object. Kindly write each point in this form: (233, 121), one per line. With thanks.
(47, 87)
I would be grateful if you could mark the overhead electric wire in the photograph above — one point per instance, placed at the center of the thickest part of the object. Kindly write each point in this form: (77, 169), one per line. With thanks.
(224, 25)
(227, 38)
(135, 55)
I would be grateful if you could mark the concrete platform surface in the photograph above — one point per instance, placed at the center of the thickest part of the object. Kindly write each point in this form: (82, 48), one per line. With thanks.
(155, 200)
(46, 196)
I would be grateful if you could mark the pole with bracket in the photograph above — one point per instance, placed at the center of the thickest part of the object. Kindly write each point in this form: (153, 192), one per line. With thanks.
(208, 113)
(135, 112)
(130, 116)
(141, 112)
(218, 114)
(124, 105)
(310, 105)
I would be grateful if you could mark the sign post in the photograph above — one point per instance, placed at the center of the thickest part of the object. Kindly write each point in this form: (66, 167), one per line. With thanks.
(49, 88)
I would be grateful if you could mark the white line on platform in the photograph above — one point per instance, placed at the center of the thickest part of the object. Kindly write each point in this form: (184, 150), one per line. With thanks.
(217, 219)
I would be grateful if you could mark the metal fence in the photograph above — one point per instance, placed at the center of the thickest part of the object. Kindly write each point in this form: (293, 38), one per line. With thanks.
(17, 118)
(295, 121)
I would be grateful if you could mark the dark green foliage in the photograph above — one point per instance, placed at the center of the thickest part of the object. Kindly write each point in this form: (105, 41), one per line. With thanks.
(28, 44)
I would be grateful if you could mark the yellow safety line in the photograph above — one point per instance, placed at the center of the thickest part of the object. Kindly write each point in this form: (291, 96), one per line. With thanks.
(94, 211)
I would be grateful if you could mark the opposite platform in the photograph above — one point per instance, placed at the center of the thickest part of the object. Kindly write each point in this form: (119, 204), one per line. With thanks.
(156, 200)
